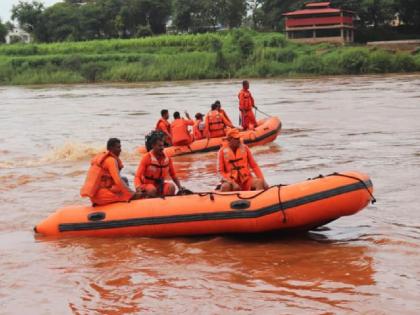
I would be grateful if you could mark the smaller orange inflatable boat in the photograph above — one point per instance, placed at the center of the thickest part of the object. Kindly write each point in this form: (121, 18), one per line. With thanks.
(266, 132)
(301, 206)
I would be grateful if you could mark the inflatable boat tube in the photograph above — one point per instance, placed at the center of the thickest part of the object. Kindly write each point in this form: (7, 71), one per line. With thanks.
(266, 132)
(302, 206)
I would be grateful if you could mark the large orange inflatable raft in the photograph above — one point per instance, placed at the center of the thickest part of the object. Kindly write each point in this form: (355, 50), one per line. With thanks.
(266, 132)
(300, 206)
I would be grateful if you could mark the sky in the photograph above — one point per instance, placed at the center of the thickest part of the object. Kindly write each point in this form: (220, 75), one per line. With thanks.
(6, 6)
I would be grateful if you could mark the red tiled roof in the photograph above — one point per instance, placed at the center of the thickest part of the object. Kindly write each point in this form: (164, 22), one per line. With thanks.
(312, 11)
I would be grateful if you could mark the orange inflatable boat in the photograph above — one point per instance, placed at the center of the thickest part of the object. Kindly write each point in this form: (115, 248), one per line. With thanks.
(266, 132)
(300, 206)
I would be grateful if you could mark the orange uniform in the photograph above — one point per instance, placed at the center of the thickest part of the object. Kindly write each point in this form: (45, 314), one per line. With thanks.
(198, 129)
(180, 133)
(164, 126)
(236, 166)
(221, 111)
(103, 183)
(246, 103)
(152, 173)
(216, 124)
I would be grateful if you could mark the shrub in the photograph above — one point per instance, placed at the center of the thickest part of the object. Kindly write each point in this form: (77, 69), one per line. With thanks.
(404, 62)
(309, 64)
(246, 45)
(91, 71)
(72, 62)
(354, 61)
(380, 62)
(332, 64)
(143, 31)
(286, 55)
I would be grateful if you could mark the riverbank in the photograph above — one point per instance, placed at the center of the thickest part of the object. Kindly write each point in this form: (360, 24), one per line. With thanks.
(233, 54)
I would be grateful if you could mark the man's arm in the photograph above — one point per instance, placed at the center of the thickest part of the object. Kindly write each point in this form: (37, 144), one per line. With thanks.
(253, 164)
(112, 165)
(138, 178)
(173, 175)
(221, 167)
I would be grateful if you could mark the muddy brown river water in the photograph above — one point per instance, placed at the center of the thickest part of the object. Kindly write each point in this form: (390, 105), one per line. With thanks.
(368, 263)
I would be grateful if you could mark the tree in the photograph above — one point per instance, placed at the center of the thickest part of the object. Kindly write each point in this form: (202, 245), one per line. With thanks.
(28, 14)
(201, 15)
(273, 11)
(62, 22)
(409, 11)
(3, 32)
(232, 12)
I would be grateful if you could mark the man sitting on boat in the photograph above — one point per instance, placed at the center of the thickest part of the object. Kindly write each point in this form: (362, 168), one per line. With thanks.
(222, 111)
(199, 127)
(154, 168)
(104, 184)
(246, 105)
(164, 126)
(235, 162)
(179, 129)
(216, 123)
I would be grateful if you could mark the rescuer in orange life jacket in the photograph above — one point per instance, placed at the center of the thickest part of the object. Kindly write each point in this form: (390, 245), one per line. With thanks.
(216, 123)
(104, 183)
(246, 105)
(199, 127)
(222, 111)
(179, 129)
(154, 168)
(235, 162)
(164, 126)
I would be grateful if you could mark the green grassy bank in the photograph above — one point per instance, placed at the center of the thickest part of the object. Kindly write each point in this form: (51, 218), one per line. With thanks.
(186, 57)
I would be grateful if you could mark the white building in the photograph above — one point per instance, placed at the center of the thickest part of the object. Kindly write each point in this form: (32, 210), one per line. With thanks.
(18, 35)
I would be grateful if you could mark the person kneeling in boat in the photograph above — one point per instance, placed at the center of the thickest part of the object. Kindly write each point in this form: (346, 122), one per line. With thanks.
(104, 184)
(216, 123)
(154, 168)
(179, 129)
(164, 126)
(235, 162)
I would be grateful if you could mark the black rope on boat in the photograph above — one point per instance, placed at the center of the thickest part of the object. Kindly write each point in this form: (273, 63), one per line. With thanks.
(281, 204)
(373, 200)
(317, 177)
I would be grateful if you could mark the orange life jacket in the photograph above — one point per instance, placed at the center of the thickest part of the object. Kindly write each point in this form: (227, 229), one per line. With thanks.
(215, 121)
(156, 171)
(246, 101)
(166, 123)
(236, 164)
(179, 132)
(98, 177)
(198, 130)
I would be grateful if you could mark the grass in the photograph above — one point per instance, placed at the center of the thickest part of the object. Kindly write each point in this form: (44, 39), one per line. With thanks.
(237, 53)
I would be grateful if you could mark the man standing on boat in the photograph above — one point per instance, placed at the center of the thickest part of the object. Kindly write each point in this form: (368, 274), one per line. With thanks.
(154, 168)
(104, 183)
(246, 105)
(235, 162)
(164, 126)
